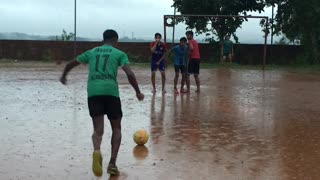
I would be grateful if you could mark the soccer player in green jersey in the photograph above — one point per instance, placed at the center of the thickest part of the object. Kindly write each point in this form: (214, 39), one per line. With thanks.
(227, 50)
(103, 94)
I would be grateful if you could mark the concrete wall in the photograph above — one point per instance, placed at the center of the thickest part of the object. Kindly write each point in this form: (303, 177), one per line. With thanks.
(59, 50)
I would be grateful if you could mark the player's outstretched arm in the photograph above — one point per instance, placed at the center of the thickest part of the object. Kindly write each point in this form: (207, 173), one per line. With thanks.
(161, 59)
(133, 81)
(153, 48)
(163, 56)
(169, 52)
(66, 70)
(190, 49)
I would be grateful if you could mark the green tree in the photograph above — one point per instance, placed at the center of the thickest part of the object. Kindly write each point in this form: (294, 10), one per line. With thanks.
(282, 41)
(219, 27)
(65, 36)
(299, 21)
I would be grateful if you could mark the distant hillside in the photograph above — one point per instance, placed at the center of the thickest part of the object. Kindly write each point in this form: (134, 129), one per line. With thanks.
(23, 36)
(127, 39)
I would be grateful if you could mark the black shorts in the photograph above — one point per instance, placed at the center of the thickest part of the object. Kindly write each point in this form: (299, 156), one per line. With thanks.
(226, 54)
(179, 68)
(193, 66)
(101, 105)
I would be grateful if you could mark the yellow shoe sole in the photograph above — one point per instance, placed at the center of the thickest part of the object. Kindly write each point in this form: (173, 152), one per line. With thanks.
(97, 164)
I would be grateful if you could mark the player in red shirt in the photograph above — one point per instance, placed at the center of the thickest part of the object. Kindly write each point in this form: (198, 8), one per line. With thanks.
(193, 66)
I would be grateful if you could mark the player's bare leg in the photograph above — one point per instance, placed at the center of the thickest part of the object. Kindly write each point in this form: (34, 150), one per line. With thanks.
(197, 79)
(223, 60)
(176, 77)
(183, 81)
(163, 79)
(153, 81)
(230, 58)
(115, 145)
(98, 125)
(188, 83)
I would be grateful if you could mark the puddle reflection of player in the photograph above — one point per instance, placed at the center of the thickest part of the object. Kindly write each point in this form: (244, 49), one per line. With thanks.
(186, 122)
(157, 119)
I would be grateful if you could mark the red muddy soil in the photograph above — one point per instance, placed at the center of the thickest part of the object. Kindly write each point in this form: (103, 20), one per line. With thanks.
(245, 124)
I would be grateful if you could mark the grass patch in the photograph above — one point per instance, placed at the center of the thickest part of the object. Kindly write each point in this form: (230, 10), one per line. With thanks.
(290, 68)
(9, 63)
(296, 68)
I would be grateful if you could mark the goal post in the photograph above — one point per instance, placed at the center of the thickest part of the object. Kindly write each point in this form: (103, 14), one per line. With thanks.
(174, 17)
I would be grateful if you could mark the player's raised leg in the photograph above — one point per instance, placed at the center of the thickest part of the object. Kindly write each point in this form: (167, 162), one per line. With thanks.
(98, 125)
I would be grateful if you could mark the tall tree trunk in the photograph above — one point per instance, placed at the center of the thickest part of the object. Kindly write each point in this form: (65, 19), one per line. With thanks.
(314, 47)
(221, 45)
(220, 34)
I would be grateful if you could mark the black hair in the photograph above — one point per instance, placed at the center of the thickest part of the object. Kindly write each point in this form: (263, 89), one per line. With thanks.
(157, 34)
(110, 34)
(189, 32)
(183, 39)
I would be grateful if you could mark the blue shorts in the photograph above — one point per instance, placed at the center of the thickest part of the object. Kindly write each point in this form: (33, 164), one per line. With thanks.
(154, 66)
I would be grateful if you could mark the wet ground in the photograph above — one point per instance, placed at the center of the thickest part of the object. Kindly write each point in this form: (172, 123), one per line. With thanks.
(244, 125)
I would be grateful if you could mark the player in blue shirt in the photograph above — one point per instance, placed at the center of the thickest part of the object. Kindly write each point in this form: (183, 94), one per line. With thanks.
(180, 52)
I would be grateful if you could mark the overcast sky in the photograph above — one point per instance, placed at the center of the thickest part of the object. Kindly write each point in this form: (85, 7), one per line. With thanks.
(143, 17)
